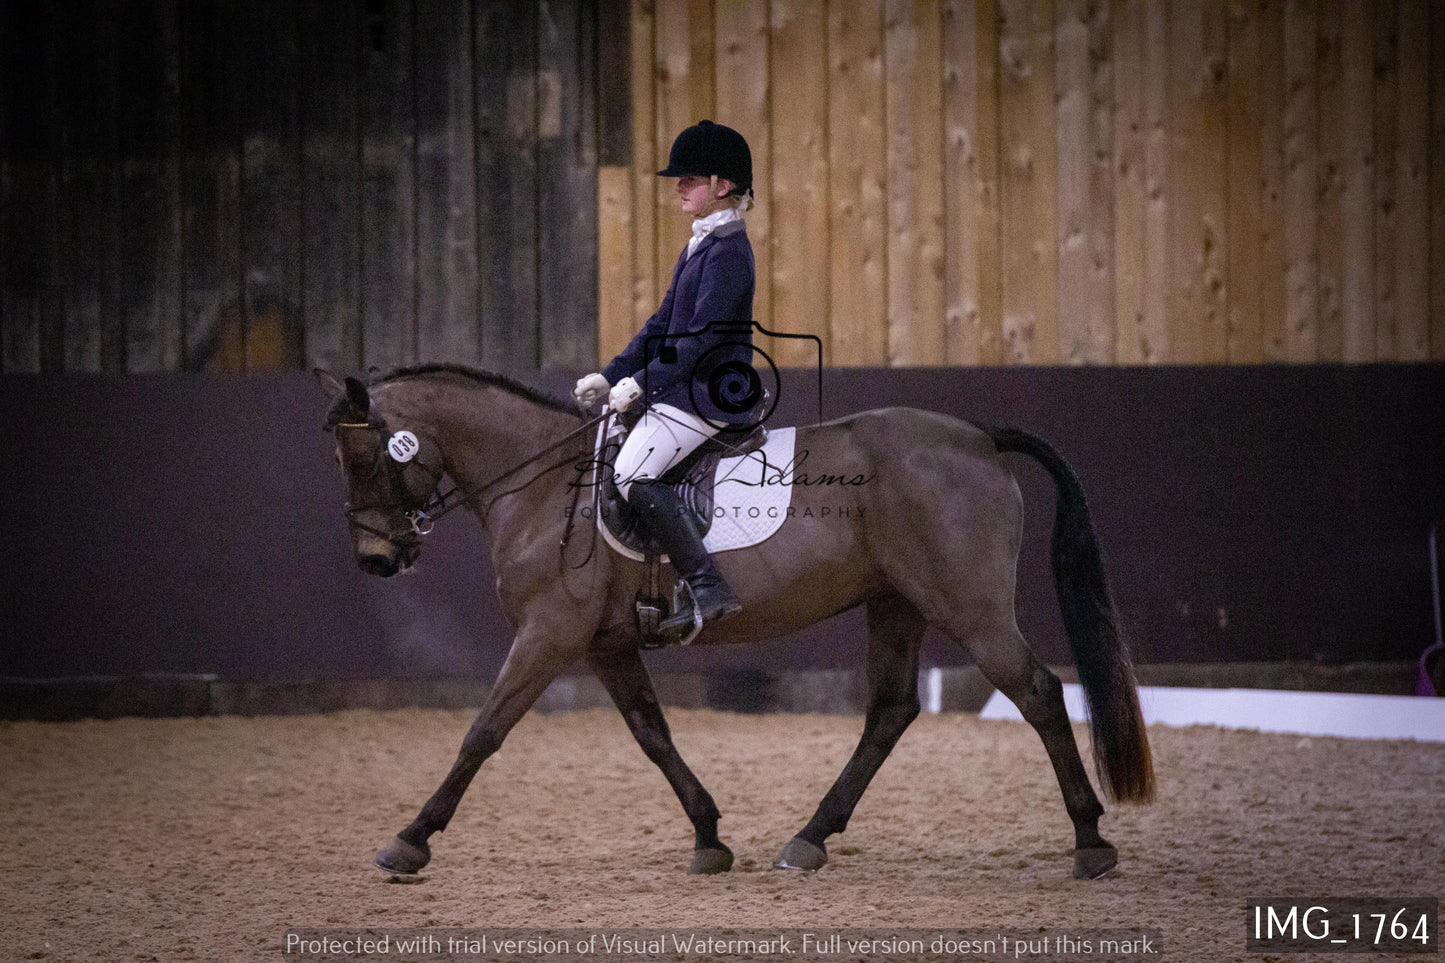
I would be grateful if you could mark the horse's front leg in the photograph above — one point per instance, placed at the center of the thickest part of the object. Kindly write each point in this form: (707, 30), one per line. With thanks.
(537, 657)
(626, 679)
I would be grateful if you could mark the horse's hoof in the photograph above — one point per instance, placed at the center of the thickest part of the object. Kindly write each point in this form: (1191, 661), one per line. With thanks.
(1094, 862)
(402, 857)
(801, 854)
(707, 862)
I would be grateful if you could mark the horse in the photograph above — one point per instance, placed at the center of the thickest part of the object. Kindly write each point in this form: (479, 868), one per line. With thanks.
(934, 542)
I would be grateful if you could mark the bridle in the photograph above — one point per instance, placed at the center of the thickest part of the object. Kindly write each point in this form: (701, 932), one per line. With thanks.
(423, 512)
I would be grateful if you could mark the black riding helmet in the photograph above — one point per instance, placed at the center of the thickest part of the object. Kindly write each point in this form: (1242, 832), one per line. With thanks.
(705, 149)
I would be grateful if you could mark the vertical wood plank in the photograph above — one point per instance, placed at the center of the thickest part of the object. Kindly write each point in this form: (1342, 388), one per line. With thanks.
(388, 187)
(1301, 185)
(1085, 184)
(675, 112)
(1246, 207)
(1331, 145)
(798, 190)
(1029, 252)
(148, 121)
(29, 179)
(616, 207)
(266, 85)
(973, 328)
(330, 43)
(1274, 333)
(1436, 71)
(702, 59)
(567, 186)
(1413, 166)
(614, 261)
(857, 163)
(1386, 63)
(646, 281)
(1199, 165)
(915, 174)
(447, 320)
(744, 102)
(1130, 186)
(1357, 201)
(87, 143)
(1157, 327)
(210, 190)
(614, 84)
(508, 231)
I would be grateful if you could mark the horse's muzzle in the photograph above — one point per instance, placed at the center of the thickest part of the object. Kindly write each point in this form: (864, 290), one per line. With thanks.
(386, 564)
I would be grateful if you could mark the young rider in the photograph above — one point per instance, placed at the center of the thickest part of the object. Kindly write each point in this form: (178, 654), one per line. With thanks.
(706, 319)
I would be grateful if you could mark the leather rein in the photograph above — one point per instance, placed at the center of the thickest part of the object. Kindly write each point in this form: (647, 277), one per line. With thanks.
(423, 513)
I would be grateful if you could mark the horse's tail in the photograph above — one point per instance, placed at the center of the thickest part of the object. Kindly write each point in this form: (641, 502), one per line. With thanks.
(1121, 744)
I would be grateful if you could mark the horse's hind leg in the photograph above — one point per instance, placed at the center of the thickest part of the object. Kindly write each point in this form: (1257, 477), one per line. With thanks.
(1006, 661)
(895, 630)
(626, 680)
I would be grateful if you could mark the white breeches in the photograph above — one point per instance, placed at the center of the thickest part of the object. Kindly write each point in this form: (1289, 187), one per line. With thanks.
(663, 437)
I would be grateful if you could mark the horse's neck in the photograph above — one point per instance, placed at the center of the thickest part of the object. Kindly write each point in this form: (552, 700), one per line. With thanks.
(483, 430)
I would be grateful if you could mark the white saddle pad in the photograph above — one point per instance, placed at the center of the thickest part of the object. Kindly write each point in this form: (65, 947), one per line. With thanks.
(751, 495)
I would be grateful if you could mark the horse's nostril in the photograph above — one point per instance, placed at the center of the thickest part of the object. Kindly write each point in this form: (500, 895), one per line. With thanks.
(377, 565)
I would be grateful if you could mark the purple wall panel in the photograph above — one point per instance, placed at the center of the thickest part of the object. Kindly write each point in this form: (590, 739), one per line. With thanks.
(192, 523)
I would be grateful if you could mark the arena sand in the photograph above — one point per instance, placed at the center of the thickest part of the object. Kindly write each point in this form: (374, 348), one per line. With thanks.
(211, 839)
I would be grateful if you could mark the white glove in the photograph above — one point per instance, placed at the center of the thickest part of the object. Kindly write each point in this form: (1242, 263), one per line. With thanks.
(624, 393)
(589, 390)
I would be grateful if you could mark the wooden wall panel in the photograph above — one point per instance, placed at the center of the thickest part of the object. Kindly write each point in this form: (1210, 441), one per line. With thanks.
(648, 282)
(1436, 71)
(567, 186)
(1084, 83)
(857, 333)
(973, 326)
(1385, 123)
(448, 322)
(506, 139)
(1301, 136)
(1028, 160)
(270, 333)
(1408, 338)
(744, 102)
(1199, 243)
(913, 55)
(1246, 207)
(329, 38)
(1272, 274)
(797, 194)
(953, 182)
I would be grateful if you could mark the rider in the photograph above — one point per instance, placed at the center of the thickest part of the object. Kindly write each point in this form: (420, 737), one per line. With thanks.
(706, 319)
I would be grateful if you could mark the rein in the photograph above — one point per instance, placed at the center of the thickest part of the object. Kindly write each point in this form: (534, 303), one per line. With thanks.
(424, 517)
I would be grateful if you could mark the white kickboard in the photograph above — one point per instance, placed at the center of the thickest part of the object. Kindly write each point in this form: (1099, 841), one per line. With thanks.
(1341, 714)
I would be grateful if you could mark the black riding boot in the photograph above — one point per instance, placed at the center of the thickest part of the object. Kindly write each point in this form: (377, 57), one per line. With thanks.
(658, 507)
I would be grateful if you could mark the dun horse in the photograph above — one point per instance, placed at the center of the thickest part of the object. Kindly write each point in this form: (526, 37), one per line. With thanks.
(933, 539)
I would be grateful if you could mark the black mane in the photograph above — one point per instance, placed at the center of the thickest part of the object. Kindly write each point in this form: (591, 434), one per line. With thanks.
(509, 385)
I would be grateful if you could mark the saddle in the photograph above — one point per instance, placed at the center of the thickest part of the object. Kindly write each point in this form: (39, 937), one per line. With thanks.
(693, 479)
(662, 621)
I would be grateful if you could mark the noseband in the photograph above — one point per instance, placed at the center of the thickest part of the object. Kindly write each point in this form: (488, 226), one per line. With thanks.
(418, 511)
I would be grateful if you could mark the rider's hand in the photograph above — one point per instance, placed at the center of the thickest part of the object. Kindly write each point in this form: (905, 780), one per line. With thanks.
(624, 393)
(589, 389)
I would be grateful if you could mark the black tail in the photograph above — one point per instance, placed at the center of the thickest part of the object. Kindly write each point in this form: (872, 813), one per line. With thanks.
(1121, 743)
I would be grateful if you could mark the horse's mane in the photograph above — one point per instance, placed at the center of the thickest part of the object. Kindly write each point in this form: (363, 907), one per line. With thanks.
(509, 385)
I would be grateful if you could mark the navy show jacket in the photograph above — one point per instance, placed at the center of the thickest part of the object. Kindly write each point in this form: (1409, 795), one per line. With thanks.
(706, 316)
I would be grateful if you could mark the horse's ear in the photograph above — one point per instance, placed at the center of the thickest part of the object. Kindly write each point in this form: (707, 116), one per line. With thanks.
(360, 399)
(330, 384)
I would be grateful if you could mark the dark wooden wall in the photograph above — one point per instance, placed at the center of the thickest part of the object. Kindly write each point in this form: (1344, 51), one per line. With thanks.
(242, 185)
